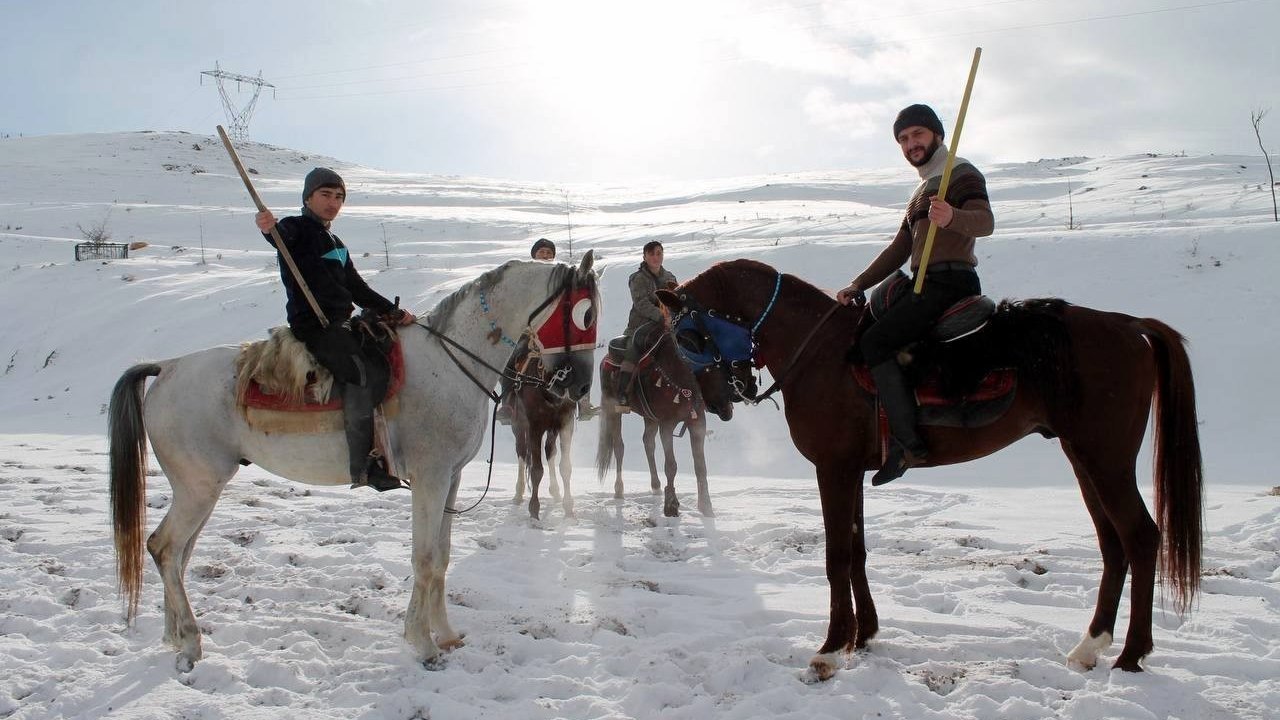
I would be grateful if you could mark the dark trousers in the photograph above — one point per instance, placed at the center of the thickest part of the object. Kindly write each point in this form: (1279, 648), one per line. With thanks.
(339, 350)
(912, 318)
(361, 375)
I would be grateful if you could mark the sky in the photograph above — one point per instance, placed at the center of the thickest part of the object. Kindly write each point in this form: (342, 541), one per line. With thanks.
(604, 91)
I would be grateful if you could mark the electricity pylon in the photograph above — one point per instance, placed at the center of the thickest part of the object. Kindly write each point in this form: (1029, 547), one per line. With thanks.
(237, 120)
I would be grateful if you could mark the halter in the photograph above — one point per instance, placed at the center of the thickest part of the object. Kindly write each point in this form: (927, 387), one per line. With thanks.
(707, 339)
(585, 320)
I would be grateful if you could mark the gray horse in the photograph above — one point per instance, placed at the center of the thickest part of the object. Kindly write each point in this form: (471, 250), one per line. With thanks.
(200, 438)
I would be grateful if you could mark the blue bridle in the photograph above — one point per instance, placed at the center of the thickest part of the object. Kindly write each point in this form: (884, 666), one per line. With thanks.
(706, 339)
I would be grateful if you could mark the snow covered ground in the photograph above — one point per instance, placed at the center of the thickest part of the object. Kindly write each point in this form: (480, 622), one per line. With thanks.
(984, 573)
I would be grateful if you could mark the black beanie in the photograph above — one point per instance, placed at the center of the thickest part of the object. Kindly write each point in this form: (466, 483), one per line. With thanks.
(542, 243)
(918, 114)
(321, 177)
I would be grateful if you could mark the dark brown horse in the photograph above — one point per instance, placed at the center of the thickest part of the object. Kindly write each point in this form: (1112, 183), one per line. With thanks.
(665, 394)
(1088, 377)
(540, 420)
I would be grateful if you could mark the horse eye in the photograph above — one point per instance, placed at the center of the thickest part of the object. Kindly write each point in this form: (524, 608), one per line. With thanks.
(584, 314)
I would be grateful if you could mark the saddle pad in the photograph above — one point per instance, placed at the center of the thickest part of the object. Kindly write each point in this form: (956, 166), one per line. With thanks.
(255, 397)
(997, 383)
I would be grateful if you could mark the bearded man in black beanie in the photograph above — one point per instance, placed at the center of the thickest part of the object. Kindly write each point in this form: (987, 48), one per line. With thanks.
(361, 375)
(962, 217)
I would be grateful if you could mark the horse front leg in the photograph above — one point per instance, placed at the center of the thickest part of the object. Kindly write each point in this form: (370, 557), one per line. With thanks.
(839, 502)
(521, 472)
(535, 480)
(697, 445)
(550, 453)
(430, 494)
(566, 466)
(670, 503)
(446, 637)
(650, 447)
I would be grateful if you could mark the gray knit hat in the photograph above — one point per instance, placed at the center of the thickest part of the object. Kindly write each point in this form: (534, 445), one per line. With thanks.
(321, 177)
(918, 114)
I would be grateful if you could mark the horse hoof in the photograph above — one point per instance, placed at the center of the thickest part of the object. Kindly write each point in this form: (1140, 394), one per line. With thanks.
(821, 668)
(185, 664)
(434, 663)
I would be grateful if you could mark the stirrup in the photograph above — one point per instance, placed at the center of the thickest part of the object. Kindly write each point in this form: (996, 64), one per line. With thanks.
(377, 477)
(589, 412)
(897, 463)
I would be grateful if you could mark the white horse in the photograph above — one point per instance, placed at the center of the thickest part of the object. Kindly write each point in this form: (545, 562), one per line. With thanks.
(200, 437)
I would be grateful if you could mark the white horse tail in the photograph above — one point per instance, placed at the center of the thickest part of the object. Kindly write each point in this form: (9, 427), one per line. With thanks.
(128, 479)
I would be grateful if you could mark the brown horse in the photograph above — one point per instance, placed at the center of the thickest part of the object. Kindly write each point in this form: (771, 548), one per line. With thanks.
(539, 420)
(665, 394)
(1084, 376)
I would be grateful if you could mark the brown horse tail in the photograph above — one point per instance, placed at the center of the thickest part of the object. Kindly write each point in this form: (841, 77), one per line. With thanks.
(1179, 472)
(128, 479)
(610, 431)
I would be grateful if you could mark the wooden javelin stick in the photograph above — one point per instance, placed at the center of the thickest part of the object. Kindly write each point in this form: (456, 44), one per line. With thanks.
(946, 171)
(275, 234)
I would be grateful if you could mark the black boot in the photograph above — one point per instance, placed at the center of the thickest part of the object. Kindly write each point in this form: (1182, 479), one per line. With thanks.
(624, 387)
(906, 450)
(367, 468)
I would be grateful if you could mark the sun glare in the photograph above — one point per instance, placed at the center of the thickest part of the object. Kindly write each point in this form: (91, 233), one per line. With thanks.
(627, 67)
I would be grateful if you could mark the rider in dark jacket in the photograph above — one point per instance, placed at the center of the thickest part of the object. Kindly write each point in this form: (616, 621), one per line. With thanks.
(361, 374)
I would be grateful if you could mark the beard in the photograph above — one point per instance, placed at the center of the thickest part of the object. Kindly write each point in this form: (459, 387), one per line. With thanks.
(928, 153)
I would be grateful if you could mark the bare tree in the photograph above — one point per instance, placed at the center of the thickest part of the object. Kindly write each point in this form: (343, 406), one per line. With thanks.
(97, 233)
(1256, 118)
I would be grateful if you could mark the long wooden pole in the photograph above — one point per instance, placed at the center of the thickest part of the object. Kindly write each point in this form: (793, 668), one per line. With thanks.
(946, 170)
(275, 234)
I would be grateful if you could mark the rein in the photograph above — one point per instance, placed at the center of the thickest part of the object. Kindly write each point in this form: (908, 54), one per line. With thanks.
(795, 357)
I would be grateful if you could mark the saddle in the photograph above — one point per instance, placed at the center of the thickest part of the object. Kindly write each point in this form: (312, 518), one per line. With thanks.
(943, 401)
(281, 388)
(646, 394)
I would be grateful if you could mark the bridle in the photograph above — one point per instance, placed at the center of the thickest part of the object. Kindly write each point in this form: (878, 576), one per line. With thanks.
(563, 293)
(708, 338)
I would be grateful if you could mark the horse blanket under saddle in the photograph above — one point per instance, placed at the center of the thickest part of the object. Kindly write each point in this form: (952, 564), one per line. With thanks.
(281, 388)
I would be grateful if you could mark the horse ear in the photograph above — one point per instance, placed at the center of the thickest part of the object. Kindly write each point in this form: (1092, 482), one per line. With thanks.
(588, 260)
(670, 300)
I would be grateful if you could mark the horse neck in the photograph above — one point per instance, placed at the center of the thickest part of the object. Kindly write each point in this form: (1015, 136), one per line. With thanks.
(799, 308)
(493, 312)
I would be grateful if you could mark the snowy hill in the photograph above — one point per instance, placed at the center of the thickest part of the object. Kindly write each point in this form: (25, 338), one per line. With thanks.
(985, 572)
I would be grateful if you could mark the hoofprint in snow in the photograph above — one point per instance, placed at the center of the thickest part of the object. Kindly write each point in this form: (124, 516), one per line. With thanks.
(300, 595)
(621, 612)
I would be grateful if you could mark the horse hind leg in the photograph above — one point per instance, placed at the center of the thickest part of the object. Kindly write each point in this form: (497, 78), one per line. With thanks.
(650, 447)
(171, 546)
(1128, 541)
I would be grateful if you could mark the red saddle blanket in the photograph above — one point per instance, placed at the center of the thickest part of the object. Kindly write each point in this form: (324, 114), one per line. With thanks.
(997, 383)
(256, 397)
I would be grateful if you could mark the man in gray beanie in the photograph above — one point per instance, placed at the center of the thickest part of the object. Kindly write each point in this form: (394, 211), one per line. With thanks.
(361, 372)
(962, 217)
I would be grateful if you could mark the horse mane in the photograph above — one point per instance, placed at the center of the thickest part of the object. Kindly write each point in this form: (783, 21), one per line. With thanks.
(446, 307)
(1029, 336)
(280, 365)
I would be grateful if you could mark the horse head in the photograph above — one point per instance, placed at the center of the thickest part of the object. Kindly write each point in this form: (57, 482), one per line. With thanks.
(563, 330)
(717, 349)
